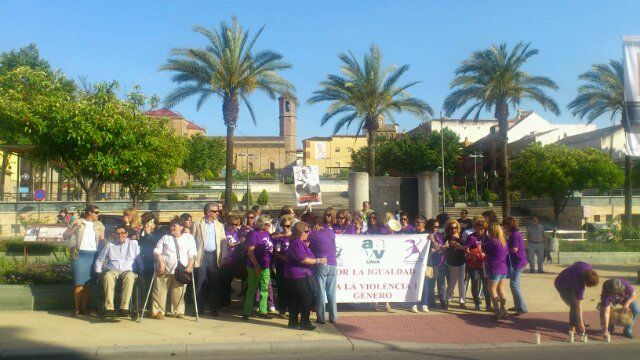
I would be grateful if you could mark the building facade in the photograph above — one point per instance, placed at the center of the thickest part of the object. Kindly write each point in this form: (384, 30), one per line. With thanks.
(332, 154)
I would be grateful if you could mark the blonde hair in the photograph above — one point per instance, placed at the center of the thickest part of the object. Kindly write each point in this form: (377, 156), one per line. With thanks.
(135, 217)
(448, 224)
(388, 216)
(262, 220)
(299, 228)
(285, 218)
(480, 221)
(495, 232)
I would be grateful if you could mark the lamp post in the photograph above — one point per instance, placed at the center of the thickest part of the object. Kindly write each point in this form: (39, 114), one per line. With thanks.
(444, 197)
(248, 187)
(475, 157)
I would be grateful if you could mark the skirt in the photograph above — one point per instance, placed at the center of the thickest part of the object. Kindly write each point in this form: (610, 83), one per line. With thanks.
(83, 268)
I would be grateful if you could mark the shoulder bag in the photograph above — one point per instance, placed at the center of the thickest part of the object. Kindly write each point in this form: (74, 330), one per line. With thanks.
(180, 274)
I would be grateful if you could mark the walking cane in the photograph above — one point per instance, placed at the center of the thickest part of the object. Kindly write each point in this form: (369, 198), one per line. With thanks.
(147, 298)
(193, 286)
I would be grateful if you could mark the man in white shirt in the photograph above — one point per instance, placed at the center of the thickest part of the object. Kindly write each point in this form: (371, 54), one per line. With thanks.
(211, 244)
(535, 245)
(120, 260)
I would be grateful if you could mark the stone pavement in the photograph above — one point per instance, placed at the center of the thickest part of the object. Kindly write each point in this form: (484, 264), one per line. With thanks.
(24, 333)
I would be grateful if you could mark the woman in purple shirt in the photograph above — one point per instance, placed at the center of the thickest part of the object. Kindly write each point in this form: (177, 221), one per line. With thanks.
(374, 227)
(475, 262)
(495, 268)
(298, 275)
(323, 245)
(281, 244)
(617, 292)
(570, 284)
(260, 250)
(517, 261)
(343, 225)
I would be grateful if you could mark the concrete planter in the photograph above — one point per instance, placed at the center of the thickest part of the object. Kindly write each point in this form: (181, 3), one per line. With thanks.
(612, 258)
(36, 297)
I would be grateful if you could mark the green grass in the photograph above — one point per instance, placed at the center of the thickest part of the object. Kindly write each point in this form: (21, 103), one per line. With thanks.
(600, 246)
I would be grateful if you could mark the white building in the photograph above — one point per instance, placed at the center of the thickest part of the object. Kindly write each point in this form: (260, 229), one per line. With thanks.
(469, 131)
(610, 140)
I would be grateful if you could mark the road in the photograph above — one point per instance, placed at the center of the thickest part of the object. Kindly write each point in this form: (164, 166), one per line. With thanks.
(591, 352)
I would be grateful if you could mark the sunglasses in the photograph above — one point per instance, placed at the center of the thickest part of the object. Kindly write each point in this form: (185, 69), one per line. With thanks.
(307, 231)
(213, 211)
(97, 212)
(121, 232)
(287, 225)
(251, 217)
(404, 219)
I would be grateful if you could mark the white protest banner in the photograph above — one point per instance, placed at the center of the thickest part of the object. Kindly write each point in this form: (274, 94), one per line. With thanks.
(307, 185)
(380, 268)
(631, 54)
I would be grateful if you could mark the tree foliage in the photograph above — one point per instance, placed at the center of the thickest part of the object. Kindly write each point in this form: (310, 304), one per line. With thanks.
(493, 79)
(557, 172)
(410, 155)
(229, 68)
(205, 157)
(367, 93)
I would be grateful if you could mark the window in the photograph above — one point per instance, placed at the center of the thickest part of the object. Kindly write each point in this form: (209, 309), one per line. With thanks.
(596, 218)
(337, 149)
(287, 106)
(272, 166)
(608, 218)
(349, 149)
(338, 164)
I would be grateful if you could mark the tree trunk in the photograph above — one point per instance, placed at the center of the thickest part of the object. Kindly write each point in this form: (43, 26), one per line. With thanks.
(371, 161)
(502, 114)
(628, 196)
(230, 109)
(3, 173)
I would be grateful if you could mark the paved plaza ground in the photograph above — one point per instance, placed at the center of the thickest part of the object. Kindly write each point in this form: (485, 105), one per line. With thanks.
(359, 328)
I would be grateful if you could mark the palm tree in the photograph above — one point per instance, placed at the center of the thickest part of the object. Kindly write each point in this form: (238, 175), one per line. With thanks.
(228, 68)
(602, 94)
(493, 79)
(367, 93)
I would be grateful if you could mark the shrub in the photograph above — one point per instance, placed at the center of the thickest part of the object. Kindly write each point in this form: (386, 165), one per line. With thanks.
(600, 246)
(33, 248)
(208, 175)
(172, 184)
(234, 199)
(15, 273)
(454, 194)
(176, 196)
(188, 185)
(244, 198)
(489, 196)
(263, 198)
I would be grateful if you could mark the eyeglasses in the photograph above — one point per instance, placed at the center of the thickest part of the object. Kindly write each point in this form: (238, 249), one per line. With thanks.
(404, 219)
(213, 211)
(121, 232)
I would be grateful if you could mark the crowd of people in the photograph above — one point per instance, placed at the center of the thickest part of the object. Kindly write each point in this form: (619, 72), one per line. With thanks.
(295, 254)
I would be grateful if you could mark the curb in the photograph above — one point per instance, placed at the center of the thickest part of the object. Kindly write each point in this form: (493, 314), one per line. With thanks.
(240, 349)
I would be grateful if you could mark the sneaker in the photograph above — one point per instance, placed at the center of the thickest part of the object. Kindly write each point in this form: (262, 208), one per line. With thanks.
(387, 306)
(273, 310)
(425, 308)
(124, 313)
(414, 308)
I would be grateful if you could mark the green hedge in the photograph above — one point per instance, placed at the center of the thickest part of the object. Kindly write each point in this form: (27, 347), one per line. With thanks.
(16, 273)
(34, 248)
(600, 246)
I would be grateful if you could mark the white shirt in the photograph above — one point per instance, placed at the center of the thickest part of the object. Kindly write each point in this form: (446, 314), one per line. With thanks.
(167, 248)
(209, 236)
(88, 241)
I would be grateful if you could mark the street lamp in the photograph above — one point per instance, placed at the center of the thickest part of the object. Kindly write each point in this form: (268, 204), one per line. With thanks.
(247, 196)
(475, 157)
(444, 198)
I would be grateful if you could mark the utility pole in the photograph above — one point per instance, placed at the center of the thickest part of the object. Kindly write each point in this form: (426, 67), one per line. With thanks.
(475, 157)
(444, 197)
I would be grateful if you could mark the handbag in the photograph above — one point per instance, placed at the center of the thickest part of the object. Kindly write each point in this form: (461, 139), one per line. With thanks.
(475, 257)
(428, 272)
(180, 274)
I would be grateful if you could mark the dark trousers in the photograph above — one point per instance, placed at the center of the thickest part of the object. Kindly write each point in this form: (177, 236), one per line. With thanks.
(299, 301)
(282, 299)
(208, 282)
(227, 274)
(569, 298)
(441, 279)
(477, 278)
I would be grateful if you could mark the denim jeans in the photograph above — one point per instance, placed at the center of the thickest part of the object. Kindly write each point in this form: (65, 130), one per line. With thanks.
(533, 250)
(326, 277)
(514, 284)
(440, 280)
(635, 310)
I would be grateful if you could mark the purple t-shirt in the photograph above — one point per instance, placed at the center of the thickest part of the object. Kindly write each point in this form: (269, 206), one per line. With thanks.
(296, 253)
(232, 245)
(346, 229)
(572, 278)
(281, 245)
(617, 299)
(264, 248)
(382, 230)
(496, 261)
(519, 259)
(407, 230)
(323, 244)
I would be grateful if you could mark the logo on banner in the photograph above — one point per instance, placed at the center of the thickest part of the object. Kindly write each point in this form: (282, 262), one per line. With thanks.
(374, 250)
(413, 251)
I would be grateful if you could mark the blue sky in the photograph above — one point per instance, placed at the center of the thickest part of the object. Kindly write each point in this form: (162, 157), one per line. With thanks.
(128, 41)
